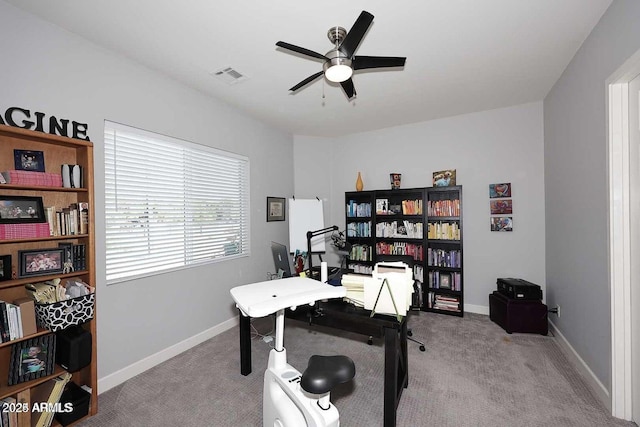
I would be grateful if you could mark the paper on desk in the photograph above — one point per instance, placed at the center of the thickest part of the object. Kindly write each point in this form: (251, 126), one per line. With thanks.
(354, 285)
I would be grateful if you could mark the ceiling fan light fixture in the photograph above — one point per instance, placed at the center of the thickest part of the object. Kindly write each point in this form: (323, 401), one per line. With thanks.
(338, 68)
(338, 73)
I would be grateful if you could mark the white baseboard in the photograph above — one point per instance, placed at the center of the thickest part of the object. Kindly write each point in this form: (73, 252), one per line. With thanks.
(478, 309)
(118, 377)
(594, 383)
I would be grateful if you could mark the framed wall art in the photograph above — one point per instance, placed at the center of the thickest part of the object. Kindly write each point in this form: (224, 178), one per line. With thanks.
(501, 223)
(275, 208)
(500, 190)
(501, 206)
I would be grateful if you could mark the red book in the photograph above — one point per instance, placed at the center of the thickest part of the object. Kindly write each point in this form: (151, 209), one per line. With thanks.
(24, 231)
(43, 179)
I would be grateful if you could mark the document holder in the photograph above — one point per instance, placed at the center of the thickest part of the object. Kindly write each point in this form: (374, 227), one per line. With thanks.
(389, 289)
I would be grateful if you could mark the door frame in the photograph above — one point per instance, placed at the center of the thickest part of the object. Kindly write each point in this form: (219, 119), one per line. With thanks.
(617, 131)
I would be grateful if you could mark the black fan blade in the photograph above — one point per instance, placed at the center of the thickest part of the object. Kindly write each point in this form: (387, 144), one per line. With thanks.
(363, 62)
(306, 81)
(356, 33)
(348, 88)
(302, 50)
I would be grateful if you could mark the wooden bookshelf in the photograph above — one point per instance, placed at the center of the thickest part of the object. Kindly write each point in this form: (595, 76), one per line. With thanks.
(57, 151)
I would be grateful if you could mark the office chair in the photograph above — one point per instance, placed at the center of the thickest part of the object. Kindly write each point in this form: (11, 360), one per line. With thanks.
(407, 259)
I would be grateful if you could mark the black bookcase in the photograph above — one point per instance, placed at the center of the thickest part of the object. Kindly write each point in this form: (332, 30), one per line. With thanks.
(424, 223)
(444, 278)
(360, 207)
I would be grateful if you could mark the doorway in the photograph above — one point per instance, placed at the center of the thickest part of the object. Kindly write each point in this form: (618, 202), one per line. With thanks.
(624, 232)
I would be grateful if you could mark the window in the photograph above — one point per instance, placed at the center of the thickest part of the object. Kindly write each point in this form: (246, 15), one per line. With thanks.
(170, 203)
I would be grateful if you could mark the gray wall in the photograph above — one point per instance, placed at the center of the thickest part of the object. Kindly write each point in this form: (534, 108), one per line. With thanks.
(576, 186)
(50, 70)
(503, 145)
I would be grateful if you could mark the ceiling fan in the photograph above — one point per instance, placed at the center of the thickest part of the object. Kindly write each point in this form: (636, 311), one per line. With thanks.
(340, 62)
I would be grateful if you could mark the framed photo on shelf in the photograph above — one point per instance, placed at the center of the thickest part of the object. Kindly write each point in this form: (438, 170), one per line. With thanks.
(444, 178)
(275, 208)
(445, 281)
(5, 267)
(21, 209)
(501, 206)
(40, 262)
(500, 190)
(26, 160)
(33, 358)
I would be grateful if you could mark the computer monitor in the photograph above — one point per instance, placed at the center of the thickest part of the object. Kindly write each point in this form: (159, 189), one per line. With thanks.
(281, 259)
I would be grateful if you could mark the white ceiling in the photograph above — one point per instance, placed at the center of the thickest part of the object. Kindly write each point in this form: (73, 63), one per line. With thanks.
(462, 55)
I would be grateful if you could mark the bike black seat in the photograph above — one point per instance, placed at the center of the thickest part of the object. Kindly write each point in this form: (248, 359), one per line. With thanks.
(325, 372)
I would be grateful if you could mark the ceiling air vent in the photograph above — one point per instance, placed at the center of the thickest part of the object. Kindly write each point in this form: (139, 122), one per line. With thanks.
(229, 75)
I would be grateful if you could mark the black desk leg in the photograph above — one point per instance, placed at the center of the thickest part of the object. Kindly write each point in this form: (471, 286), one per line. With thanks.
(245, 344)
(405, 354)
(390, 376)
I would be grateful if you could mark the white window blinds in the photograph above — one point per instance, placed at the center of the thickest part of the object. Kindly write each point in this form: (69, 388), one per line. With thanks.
(170, 204)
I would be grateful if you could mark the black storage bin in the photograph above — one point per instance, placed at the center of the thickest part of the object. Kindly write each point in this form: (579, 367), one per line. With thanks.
(73, 350)
(519, 289)
(518, 315)
(79, 398)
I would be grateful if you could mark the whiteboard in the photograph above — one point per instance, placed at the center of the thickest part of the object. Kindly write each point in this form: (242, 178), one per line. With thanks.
(305, 215)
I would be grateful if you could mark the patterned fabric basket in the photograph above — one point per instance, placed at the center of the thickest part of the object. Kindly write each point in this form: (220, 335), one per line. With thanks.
(60, 315)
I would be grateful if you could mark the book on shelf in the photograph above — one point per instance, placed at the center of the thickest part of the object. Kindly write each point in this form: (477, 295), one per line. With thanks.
(443, 231)
(76, 254)
(9, 417)
(443, 207)
(68, 221)
(40, 179)
(83, 209)
(355, 209)
(24, 231)
(27, 315)
(412, 207)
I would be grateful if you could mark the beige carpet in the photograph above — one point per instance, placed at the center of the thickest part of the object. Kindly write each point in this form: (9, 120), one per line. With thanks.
(472, 374)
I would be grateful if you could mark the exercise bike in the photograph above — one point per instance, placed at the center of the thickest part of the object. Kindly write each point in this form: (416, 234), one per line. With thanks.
(291, 399)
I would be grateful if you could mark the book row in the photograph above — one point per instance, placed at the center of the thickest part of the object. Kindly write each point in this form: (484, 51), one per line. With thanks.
(17, 319)
(355, 210)
(361, 253)
(406, 207)
(404, 229)
(40, 179)
(443, 302)
(400, 248)
(24, 231)
(359, 229)
(360, 268)
(443, 258)
(443, 208)
(443, 231)
(9, 416)
(444, 280)
(68, 221)
(75, 255)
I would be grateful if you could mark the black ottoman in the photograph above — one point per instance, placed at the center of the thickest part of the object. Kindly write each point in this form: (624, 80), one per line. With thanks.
(518, 315)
